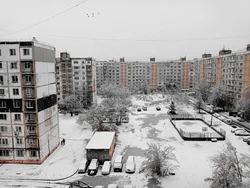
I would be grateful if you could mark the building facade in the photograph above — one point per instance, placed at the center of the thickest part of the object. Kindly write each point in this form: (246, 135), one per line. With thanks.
(77, 76)
(29, 126)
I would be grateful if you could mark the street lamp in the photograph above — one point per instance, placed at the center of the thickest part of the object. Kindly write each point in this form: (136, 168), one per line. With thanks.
(211, 124)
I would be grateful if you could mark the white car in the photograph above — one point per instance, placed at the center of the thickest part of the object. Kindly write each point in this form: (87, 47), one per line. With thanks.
(118, 163)
(234, 130)
(112, 186)
(130, 165)
(127, 186)
(242, 133)
(106, 168)
(99, 186)
(246, 139)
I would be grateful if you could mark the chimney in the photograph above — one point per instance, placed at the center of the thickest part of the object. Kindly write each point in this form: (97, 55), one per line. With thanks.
(205, 55)
(122, 59)
(152, 59)
(248, 47)
(183, 58)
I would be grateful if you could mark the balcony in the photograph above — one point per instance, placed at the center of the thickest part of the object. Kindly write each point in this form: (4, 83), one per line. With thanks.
(30, 121)
(32, 133)
(30, 83)
(27, 70)
(29, 96)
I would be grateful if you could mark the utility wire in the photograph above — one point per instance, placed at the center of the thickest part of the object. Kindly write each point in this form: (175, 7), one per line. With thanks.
(47, 19)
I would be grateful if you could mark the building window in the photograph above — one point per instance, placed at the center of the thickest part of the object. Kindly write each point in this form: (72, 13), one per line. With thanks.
(19, 153)
(2, 104)
(17, 117)
(31, 117)
(1, 79)
(17, 104)
(1, 91)
(32, 128)
(27, 65)
(14, 79)
(3, 141)
(28, 91)
(19, 141)
(3, 128)
(76, 78)
(1, 65)
(0, 52)
(32, 141)
(4, 153)
(32, 153)
(29, 104)
(12, 52)
(3, 116)
(26, 51)
(13, 65)
(15, 91)
(28, 78)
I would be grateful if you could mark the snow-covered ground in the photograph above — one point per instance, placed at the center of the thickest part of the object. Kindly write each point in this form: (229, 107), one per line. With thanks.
(145, 127)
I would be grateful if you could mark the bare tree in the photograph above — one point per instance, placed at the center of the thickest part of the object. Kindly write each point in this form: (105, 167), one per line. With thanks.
(199, 103)
(160, 162)
(244, 106)
(205, 91)
(70, 104)
(227, 169)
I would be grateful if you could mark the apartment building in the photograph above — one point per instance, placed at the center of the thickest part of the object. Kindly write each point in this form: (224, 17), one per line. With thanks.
(29, 128)
(101, 70)
(77, 76)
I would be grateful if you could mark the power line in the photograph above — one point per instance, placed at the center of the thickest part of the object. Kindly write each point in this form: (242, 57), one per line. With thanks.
(47, 19)
(148, 40)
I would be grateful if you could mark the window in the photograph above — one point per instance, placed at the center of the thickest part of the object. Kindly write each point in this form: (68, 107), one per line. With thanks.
(3, 116)
(32, 153)
(76, 78)
(75, 62)
(3, 141)
(26, 51)
(15, 91)
(28, 91)
(31, 117)
(1, 79)
(17, 104)
(19, 153)
(0, 52)
(1, 65)
(32, 128)
(18, 117)
(28, 78)
(2, 104)
(3, 128)
(14, 79)
(13, 65)
(27, 65)
(32, 141)
(29, 104)
(19, 141)
(12, 52)
(1, 91)
(4, 153)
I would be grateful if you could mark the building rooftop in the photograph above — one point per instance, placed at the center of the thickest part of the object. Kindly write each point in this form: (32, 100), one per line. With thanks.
(101, 140)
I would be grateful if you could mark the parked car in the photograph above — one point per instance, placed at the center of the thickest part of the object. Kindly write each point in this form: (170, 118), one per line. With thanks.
(93, 167)
(138, 109)
(118, 163)
(112, 186)
(144, 108)
(246, 139)
(233, 131)
(229, 121)
(130, 165)
(242, 133)
(106, 168)
(127, 186)
(158, 108)
(83, 166)
(240, 120)
(99, 186)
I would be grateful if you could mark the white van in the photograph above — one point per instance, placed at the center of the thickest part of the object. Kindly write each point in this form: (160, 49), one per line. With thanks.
(82, 167)
(130, 165)
(118, 163)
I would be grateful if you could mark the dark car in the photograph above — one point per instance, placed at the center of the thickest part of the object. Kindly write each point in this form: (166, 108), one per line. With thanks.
(138, 109)
(144, 108)
(240, 120)
(93, 167)
(158, 108)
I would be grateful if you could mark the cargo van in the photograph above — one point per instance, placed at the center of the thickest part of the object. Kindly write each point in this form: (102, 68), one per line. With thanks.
(83, 166)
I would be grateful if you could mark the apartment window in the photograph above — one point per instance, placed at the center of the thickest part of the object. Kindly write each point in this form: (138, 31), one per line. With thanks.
(76, 78)
(1, 65)
(13, 65)
(3, 141)
(19, 141)
(2, 104)
(17, 117)
(32, 141)
(12, 52)
(19, 153)
(17, 104)
(4, 153)
(26, 51)
(28, 78)
(75, 62)
(3, 116)
(27, 65)
(14, 79)
(3, 128)
(31, 117)
(15, 91)
(29, 104)
(32, 128)
(32, 153)
(1, 91)
(0, 52)
(28, 91)
(1, 79)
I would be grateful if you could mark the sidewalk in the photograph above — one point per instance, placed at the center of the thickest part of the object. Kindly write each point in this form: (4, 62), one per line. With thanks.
(62, 163)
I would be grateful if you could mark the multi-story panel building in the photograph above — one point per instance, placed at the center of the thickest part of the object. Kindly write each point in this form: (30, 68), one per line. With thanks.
(100, 72)
(77, 76)
(29, 129)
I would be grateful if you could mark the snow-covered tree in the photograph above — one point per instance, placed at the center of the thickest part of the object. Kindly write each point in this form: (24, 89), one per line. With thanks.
(219, 97)
(199, 103)
(227, 169)
(159, 161)
(109, 90)
(70, 104)
(204, 90)
(244, 106)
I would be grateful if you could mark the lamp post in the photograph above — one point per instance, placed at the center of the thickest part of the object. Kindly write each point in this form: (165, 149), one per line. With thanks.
(212, 117)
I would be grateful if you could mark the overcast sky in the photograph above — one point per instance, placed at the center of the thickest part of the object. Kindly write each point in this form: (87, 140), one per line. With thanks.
(134, 29)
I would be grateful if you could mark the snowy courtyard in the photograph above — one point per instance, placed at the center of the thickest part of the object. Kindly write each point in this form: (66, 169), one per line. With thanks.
(144, 127)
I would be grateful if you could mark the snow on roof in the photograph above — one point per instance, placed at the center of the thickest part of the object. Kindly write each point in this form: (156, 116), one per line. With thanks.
(101, 140)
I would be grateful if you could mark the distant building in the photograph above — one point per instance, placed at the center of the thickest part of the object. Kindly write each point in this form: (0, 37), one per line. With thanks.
(77, 76)
(29, 127)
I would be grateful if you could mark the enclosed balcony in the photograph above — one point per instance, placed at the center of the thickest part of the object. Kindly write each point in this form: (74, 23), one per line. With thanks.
(28, 80)
(27, 67)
